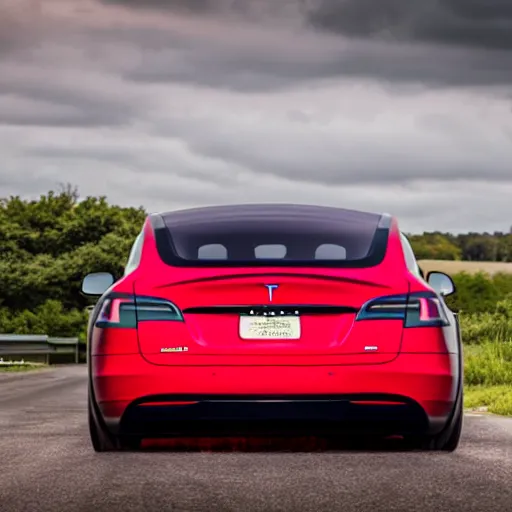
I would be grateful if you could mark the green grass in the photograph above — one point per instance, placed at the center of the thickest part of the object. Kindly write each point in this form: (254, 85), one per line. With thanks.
(496, 399)
(488, 376)
(21, 367)
(478, 328)
(488, 364)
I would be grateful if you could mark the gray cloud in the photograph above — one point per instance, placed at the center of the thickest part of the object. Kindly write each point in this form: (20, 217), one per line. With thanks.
(312, 151)
(289, 11)
(477, 23)
(264, 68)
(335, 145)
(32, 93)
(282, 44)
(22, 111)
(189, 6)
(143, 157)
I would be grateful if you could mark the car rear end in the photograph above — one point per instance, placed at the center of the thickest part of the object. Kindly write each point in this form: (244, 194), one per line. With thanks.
(272, 319)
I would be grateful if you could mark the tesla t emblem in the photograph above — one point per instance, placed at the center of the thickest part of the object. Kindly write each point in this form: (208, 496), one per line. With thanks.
(271, 288)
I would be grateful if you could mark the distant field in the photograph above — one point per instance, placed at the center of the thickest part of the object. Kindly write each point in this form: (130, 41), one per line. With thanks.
(471, 267)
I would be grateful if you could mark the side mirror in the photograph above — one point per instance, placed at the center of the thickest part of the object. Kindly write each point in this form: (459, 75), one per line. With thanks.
(97, 284)
(441, 283)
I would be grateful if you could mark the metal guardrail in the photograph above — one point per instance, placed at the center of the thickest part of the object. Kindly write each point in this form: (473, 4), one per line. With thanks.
(22, 362)
(37, 348)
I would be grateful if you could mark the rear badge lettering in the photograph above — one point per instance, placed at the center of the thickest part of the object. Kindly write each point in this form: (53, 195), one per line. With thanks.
(174, 349)
(371, 348)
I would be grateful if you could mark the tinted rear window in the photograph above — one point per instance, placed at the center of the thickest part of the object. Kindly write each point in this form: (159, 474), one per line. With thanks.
(270, 235)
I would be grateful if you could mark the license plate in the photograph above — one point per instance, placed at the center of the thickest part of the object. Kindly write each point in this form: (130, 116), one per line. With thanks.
(269, 328)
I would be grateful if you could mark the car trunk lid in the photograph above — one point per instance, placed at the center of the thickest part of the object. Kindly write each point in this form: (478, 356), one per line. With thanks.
(253, 317)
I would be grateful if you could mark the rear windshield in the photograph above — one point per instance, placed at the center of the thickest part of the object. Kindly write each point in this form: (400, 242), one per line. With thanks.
(227, 236)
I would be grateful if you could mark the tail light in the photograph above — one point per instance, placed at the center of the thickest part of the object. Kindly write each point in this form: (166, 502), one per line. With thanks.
(421, 309)
(126, 311)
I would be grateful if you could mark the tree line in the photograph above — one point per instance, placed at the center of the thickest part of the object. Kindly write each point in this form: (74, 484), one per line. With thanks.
(470, 246)
(47, 246)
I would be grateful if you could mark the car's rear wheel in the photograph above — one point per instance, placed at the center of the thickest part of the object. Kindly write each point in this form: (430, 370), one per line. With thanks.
(448, 439)
(104, 441)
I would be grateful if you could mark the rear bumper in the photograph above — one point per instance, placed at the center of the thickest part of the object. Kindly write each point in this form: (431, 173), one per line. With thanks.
(133, 395)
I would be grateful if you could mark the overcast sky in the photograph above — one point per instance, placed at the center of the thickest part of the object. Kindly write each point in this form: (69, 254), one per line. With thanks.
(403, 106)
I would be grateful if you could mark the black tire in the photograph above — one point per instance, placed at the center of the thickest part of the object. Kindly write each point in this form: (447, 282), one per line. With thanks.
(104, 441)
(101, 439)
(448, 439)
(452, 442)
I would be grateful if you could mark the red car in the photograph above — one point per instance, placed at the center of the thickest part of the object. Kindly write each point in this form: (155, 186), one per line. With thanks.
(272, 319)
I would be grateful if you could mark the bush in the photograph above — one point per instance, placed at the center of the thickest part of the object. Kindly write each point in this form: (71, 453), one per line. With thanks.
(480, 293)
(49, 318)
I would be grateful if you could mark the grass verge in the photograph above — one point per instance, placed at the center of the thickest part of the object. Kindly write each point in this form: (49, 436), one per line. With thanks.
(495, 399)
(488, 364)
(488, 377)
(4, 368)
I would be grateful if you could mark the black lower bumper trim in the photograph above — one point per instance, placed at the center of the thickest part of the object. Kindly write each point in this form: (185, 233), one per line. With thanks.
(283, 416)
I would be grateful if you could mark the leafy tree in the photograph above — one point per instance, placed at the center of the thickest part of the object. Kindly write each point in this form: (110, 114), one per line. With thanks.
(46, 248)
(435, 246)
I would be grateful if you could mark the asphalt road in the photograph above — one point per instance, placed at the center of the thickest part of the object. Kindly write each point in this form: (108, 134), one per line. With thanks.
(47, 464)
